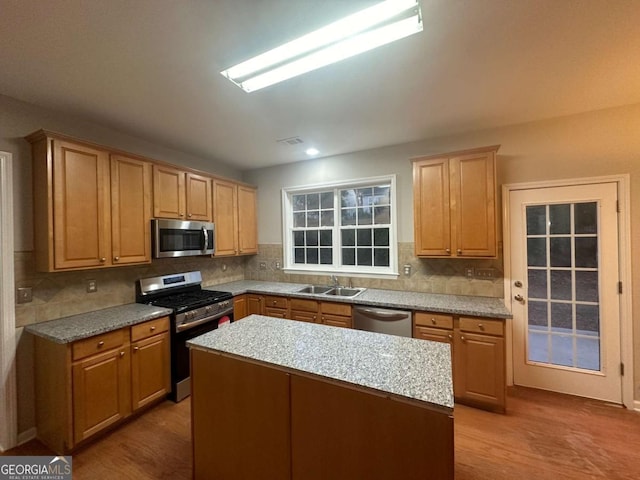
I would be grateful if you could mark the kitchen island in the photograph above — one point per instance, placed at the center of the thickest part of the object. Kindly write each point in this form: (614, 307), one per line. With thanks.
(276, 399)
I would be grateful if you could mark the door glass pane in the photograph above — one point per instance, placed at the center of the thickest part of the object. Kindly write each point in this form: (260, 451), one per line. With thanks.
(563, 315)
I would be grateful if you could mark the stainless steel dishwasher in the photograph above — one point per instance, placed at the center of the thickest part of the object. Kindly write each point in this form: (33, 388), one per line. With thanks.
(382, 320)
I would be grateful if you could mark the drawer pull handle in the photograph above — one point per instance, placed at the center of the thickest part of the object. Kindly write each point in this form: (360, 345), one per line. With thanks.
(121, 354)
(100, 344)
(135, 349)
(481, 326)
(152, 328)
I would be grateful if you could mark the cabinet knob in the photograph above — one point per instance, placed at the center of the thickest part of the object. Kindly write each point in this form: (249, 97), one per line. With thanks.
(481, 326)
(462, 338)
(152, 328)
(115, 259)
(314, 317)
(275, 302)
(433, 320)
(103, 259)
(450, 337)
(181, 214)
(100, 344)
(135, 349)
(121, 354)
(189, 215)
(459, 251)
(448, 250)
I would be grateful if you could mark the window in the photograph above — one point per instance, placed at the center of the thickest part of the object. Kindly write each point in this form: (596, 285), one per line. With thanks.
(341, 228)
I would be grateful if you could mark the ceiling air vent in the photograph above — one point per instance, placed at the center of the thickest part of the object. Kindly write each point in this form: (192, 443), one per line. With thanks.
(290, 141)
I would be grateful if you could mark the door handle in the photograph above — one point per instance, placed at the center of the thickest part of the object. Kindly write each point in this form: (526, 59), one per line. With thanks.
(519, 298)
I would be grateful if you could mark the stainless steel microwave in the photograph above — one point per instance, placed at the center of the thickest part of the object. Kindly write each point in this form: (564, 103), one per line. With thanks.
(177, 238)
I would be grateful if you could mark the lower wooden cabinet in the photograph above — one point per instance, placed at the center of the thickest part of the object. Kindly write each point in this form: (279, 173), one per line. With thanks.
(86, 386)
(276, 306)
(327, 313)
(478, 351)
(239, 307)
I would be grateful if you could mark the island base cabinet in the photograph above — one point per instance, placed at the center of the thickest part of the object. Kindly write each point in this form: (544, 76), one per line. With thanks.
(341, 432)
(240, 419)
(258, 421)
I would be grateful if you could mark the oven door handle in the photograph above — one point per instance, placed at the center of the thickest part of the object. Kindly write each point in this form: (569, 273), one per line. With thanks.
(186, 326)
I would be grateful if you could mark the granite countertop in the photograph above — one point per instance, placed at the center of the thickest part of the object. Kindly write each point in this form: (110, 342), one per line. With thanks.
(431, 302)
(411, 368)
(84, 325)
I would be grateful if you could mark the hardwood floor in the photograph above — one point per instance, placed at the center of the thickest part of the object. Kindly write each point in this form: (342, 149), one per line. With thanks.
(542, 436)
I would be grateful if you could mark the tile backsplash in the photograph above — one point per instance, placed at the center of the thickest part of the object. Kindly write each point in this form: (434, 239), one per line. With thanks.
(427, 275)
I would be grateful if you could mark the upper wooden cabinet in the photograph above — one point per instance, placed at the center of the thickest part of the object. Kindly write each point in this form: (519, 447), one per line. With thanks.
(234, 215)
(454, 203)
(91, 209)
(181, 195)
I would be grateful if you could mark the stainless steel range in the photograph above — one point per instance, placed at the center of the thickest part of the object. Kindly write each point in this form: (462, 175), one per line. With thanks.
(195, 311)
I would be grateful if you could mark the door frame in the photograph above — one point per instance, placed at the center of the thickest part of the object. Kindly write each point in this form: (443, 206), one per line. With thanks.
(624, 245)
(8, 388)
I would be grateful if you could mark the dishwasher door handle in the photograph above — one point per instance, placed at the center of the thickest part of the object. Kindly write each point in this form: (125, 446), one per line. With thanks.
(382, 314)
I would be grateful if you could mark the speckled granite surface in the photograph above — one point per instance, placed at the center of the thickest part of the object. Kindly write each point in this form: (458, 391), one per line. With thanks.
(431, 302)
(76, 327)
(417, 369)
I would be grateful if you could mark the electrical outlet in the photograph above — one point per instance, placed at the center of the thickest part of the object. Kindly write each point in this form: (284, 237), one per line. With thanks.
(485, 273)
(263, 265)
(25, 295)
(468, 272)
(92, 286)
(277, 265)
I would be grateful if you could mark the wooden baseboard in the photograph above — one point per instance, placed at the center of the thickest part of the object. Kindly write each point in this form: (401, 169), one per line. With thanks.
(636, 405)
(24, 437)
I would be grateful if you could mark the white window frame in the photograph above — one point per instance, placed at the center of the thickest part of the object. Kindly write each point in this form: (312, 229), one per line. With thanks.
(351, 270)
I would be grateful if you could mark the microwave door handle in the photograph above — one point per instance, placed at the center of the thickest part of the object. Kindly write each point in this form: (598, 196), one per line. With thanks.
(205, 238)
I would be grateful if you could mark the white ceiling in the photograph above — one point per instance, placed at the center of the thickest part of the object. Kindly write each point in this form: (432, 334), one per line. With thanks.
(151, 68)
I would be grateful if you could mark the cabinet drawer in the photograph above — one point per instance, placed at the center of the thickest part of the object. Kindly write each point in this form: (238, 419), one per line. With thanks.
(277, 302)
(99, 343)
(337, 321)
(336, 309)
(438, 320)
(304, 305)
(148, 329)
(482, 325)
(433, 334)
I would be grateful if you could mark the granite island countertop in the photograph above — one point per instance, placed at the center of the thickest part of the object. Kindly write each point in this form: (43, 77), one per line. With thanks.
(415, 369)
(430, 302)
(84, 325)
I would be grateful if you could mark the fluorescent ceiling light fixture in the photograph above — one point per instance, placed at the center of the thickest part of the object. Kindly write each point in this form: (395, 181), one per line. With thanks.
(373, 27)
(312, 151)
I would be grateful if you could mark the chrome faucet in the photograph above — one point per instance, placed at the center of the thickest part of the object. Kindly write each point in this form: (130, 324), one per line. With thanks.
(334, 281)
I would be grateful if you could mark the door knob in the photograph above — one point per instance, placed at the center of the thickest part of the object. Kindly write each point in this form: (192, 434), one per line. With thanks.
(517, 283)
(519, 298)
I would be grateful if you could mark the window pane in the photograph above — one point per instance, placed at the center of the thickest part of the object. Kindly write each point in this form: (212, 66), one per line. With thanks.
(364, 196)
(364, 256)
(348, 256)
(588, 319)
(560, 251)
(561, 317)
(348, 216)
(382, 215)
(537, 252)
(561, 285)
(538, 347)
(313, 201)
(298, 254)
(537, 283)
(326, 200)
(536, 220)
(588, 353)
(587, 252)
(313, 219)
(381, 257)
(560, 219)
(326, 256)
(298, 239)
(299, 202)
(348, 237)
(586, 217)
(587, 286)
(381, 237)
(348, 198)
(299, 220)
(364, 237)
(312, 255)
(326, 218)
(364, 216)
(312, 237)
(326, 238)
(562, 350)
(537, 313)
(381, 195)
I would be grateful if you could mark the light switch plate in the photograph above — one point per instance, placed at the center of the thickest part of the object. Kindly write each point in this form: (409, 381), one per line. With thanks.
(25, 295)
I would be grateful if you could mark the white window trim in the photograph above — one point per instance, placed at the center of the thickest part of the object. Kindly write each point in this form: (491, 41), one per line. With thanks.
(287, 214)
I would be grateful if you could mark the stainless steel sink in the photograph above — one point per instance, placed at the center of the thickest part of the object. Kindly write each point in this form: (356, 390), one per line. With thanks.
(345, 292)
(315, 289)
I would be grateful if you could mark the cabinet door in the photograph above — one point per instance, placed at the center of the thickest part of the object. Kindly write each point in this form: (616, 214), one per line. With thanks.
(247, 221)
(479, 364)
(254, 304)
(225, 210)
(81, 206)
(474, 191)
(130, 210)
(168, 192)
(239, 307)
(101, 392)
(303, 316)
(431, 207)
(198, 197)
(150, 370)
